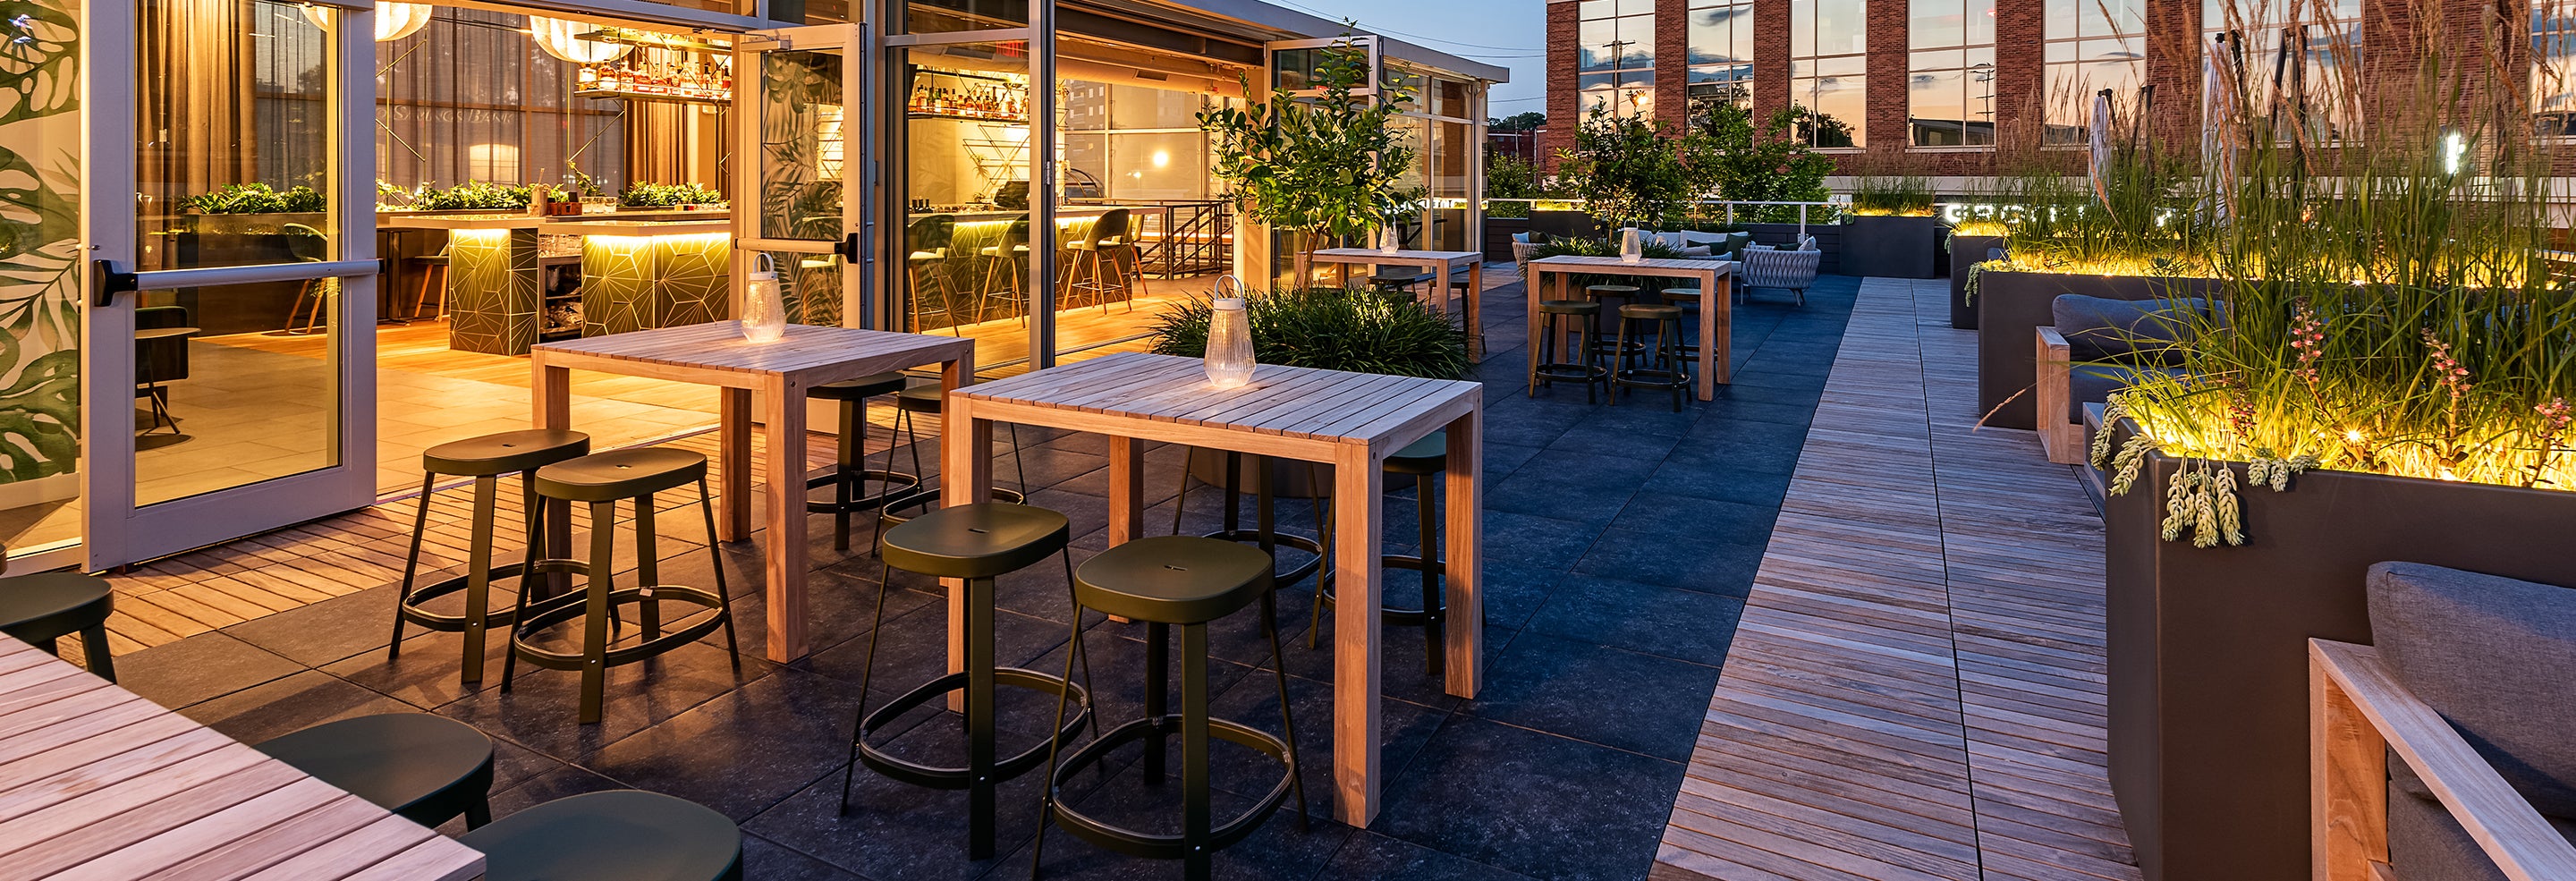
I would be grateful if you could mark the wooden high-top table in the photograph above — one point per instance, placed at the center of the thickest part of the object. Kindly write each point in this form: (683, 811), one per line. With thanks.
(1440, 264)
(96, 782)
(1351, 421)
(1716, 305)
(715, 354)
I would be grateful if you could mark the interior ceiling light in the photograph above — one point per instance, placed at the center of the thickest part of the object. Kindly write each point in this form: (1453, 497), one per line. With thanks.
(560, 38)
(394, 21)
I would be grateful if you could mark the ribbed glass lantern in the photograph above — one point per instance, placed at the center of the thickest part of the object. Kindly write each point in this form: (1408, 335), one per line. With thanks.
(1388, 242)
(764, 307)
(1632, 246)
(1229, 344)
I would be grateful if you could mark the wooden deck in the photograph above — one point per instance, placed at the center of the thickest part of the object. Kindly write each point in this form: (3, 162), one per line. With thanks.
(1916, 688)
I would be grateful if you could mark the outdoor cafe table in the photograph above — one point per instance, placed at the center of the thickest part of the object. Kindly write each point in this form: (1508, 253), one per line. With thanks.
(96, 782)
(1439, 264)
(715, 354)
(1351, 421)
(1716, 305)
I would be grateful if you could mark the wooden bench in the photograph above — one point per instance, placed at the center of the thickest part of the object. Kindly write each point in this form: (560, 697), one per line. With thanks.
(2060, 437)
(2357, 714)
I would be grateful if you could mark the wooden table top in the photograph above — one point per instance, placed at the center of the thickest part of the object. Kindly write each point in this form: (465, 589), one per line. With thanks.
(98, 783)
(1296, 402)
(1657, 264)
(1364, 255)
(719, 346)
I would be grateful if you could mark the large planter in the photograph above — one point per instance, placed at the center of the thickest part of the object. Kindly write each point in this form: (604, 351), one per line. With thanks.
(2011, 306)
(2208, 647)
(1889, 247)
(1498, 237)
(1965, 253)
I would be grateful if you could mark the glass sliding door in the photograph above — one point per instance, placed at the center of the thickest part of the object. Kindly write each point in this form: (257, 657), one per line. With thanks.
(970, 236)
(226, 386)
(809, 143)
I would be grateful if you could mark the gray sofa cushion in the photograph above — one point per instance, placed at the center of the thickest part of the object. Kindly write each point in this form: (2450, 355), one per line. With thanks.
(2426, 844)
(2496, 657)
(2094, 383)
(2136, 331)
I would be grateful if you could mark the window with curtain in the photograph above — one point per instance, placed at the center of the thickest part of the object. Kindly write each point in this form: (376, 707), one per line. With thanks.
(1617, 64)
(471, 97)
(1828, 67)
(1950, 73)
(2091, 45)
(1721, 52)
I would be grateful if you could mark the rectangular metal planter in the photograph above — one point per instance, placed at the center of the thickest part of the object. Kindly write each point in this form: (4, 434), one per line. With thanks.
(1889, 247)
(2208, 647)
(1965, 253)
(2012, 305)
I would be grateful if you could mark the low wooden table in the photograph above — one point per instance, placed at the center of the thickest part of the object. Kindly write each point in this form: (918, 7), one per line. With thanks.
(1716, 305)
(1351, 421)
(1440, 264)
(98, 783)
(715, 354)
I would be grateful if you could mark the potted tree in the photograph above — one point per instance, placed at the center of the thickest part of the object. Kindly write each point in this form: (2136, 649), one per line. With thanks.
(1323, 167)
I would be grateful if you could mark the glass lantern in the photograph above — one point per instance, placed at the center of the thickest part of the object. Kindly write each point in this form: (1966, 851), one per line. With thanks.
(1632, 245)
(764, 308)
(1229, 341)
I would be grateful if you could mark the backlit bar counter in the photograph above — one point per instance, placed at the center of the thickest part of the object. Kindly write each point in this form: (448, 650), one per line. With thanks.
(639, 270)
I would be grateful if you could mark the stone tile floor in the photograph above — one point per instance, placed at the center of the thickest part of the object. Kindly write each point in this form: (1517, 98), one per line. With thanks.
(1621, 541)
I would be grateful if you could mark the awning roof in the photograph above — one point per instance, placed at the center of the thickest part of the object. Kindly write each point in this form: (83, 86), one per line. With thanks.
(1255, 22)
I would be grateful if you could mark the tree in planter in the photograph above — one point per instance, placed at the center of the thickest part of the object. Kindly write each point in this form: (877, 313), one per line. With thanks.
(1761, 163)
(1322, 167)
(1511, 177)
(1631, 172)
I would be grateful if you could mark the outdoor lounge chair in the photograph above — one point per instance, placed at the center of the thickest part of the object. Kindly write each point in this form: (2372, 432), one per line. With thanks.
(1792, 271)
(2099, 346)
(2468, 689)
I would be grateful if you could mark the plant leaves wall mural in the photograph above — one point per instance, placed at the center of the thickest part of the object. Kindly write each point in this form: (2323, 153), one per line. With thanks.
(39, 241)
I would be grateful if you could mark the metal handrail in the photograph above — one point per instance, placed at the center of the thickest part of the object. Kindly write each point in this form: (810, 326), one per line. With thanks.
(1838, 203)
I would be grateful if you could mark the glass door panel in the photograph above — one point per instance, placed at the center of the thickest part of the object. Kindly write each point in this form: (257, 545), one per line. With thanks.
(967, 239)
(810, 145)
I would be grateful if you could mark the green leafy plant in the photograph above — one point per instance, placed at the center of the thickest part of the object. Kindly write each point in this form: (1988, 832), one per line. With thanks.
(1362, 331)
(1761, 161)
(1631, 172)
(256, 198)
(1511, 177)
(480, 195)
(666, 195)
(1897, 195)
(1324, 167)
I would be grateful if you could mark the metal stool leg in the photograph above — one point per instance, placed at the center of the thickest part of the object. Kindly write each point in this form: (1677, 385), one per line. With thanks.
(411, 561)
(478, 574)
(594, 628)
(979, 718)
(1433, 656)
(1198, 813)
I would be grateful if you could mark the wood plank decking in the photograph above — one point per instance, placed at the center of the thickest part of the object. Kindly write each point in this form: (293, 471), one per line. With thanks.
(1916, 688)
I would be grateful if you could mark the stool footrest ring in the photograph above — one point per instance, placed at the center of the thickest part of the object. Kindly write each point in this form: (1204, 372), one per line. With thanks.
(1142, 844)
(926, 499)
(573, 605)
(1283, 539)
(1396, 614)
(900, 488)
(945, 777)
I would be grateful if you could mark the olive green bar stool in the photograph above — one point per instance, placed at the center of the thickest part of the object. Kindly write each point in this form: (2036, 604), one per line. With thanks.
(42, 608)
(1265, 531)
(1581, 320)
(1421, 460)
(617, 835)
(1612, 298)
(1183, 582)
(603, 480)
(424, 768)
(926, 399)
(1656, 366)
(975, 543)
(1686, 299)
(850, 475)
(487, 459)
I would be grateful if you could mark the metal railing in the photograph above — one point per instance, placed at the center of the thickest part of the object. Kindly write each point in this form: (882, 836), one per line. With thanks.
(1838, 204)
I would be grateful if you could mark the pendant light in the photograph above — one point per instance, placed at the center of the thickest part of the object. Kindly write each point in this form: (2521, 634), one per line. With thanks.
(561, 39)
(394, 21)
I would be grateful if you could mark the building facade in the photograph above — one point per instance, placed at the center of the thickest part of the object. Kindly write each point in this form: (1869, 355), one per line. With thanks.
(1967, 88)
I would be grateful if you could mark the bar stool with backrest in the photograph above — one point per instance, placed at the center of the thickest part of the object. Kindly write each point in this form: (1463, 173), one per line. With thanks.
(850, 475)
(926, 266)
(1166, 582)
(429, 266)
(1095, 264)
(1005, 262)
(486, 459)
(1656, 366)
(1580, 319)
(975, 543)
(312, 300)
(603, 480)
(425, 768)
(616, 835)
(1421, 460)
(42, 608)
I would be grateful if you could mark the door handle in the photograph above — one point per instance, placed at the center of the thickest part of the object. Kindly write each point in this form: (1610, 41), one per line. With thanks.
(107, 279)
(848, 248)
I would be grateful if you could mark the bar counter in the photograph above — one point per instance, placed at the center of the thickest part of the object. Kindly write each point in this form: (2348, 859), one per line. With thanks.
(639, 269)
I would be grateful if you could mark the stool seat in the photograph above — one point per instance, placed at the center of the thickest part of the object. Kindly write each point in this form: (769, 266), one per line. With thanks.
(1681, 295)
(1611, 290)
(620, 474)
(1569, 307)
(47, 605)
(923, 397)
(507, 452)
(1649, 312)
(1173, 579)
(425, 768)
(1430, 455)
(618, 835)
(857, 389)
(985, 540)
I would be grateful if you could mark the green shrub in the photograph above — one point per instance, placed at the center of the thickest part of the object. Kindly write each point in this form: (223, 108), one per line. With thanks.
(1900, 195)
(475, 194)
(1330, 329)
(668, 195)
(256, 198)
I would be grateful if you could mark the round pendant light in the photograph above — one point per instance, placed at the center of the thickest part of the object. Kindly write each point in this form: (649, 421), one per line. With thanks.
(394, 21)
(560, 38)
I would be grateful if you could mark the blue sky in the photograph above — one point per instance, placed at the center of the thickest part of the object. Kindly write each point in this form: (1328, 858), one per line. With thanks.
(1509, 33)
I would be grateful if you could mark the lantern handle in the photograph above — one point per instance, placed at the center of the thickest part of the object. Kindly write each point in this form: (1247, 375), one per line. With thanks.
(762, 262)
(1230, 278)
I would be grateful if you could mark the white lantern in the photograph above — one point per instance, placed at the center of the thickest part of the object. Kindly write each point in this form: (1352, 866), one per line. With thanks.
(561, 39)
(1632, 246)
(1387, 241)
(1229, 339)
(764, 309)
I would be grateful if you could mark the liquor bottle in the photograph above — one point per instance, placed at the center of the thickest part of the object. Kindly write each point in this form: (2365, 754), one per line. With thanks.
(586, 78)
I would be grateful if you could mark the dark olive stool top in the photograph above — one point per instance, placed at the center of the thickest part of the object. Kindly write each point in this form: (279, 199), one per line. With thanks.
(42, 608)
(425, 768)
(1659, 365)
(1185, 582)
(1582, 318)
(975, 543)
(1422, 460)
(618, 835)
(486, 459)
(850, 474)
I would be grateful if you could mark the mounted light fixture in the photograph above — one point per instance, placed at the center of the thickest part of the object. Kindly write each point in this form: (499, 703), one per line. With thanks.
(394, 21)
(561, 39)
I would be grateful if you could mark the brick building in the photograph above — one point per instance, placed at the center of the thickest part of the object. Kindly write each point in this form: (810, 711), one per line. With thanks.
(1968, 88)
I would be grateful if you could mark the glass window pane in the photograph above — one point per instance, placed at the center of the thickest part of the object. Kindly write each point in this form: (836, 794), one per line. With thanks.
(1842, 111)
(800, 128)
(967, 137)
(1149, 166)
(949, 16)
(218, 405)
(234, 167)
(1596, 38)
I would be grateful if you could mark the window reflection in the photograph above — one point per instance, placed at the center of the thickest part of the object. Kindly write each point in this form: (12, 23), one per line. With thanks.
(1617, 63)
(2314, 45)
(1950, 84)
(1828, 60)
(2091, 45)
(1721, 52)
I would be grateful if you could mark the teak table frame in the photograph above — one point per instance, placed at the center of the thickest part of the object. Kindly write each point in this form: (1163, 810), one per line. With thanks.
(1716, 305)
(1440, 264)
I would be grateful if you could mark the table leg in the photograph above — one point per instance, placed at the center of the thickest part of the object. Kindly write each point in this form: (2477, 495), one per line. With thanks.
(733, 465)
(1464, 566)
(1126, 490)
(1475, 322)
(1531, 285)
(965, 477)
(785, 509)
(1716, 333)
(1358, 482)
(552, 400)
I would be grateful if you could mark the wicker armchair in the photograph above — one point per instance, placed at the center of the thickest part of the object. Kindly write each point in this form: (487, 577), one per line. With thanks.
(1792, 271)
